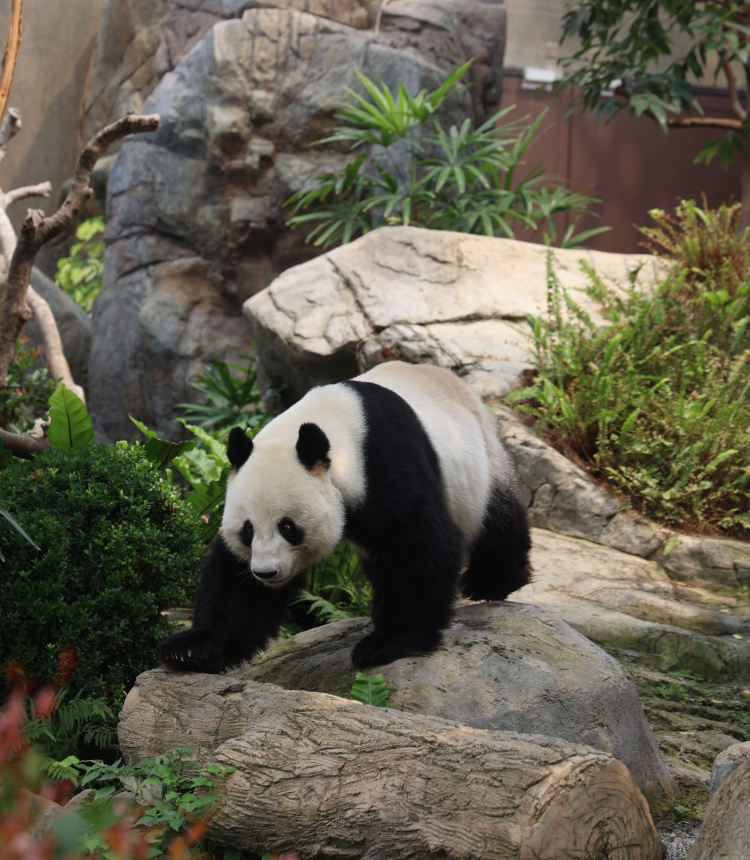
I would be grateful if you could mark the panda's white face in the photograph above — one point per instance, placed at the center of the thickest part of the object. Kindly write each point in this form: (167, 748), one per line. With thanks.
(280, 515)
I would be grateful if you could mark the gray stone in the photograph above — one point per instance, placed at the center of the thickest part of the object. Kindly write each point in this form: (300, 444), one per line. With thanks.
(195, 220)
(626, 603)
(724, 562)
(726, 762)
(448, 298)
(501, 666)
(447, 32)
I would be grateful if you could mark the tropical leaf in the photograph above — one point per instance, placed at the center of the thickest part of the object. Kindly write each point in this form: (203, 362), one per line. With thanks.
(370, 690)
(70, 423)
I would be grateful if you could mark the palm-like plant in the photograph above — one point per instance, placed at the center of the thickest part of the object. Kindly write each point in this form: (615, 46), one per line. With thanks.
(460, 179)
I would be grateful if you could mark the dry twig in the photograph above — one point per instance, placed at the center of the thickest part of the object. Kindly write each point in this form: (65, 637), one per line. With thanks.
(20, 298)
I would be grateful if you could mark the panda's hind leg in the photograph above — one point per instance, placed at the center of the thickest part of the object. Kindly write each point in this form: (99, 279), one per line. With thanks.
(499, 559)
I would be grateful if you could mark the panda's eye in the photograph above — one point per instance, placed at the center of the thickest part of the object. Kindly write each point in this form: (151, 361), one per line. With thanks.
(246, 533)
(291, 532)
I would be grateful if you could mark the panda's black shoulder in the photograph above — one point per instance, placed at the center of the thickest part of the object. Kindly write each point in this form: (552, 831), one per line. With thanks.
(395, 439)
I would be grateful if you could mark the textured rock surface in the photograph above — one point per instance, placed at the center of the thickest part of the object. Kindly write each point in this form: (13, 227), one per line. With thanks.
(625, 602)
(725, 832)
(418, 294)
(325, 777)
(194, 211)
(140, 42)
(726, 762)
(501, 666)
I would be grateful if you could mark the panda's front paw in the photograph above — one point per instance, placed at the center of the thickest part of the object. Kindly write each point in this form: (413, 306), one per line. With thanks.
(193, 651)
(379, 648)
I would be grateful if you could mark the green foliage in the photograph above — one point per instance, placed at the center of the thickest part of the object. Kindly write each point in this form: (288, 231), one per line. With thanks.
(205, 470)
(673, 691)
(460, 179)
(74, 724)
(235, 400)
(117, 548)
(27, 393)
(627, 57)
(744, 726)
(705, 243)
(70, 425)
(370, 690)
(174, 796)
(658, 402)
(80, 274)
(336, 588)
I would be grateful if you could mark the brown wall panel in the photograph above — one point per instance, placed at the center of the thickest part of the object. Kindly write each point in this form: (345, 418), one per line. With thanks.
(628, 163)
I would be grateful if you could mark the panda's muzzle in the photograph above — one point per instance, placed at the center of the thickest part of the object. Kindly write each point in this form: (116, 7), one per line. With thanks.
(265, 574)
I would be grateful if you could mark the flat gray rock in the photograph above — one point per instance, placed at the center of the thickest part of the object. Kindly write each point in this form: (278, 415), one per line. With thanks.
(501, 666)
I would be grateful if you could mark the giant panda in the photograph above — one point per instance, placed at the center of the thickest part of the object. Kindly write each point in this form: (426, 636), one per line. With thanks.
(405, 463)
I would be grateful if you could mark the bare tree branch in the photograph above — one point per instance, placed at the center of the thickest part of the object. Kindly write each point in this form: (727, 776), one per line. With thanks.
(35, 231)
(43, 189)
(11, 52)
(705, 122)
(734, 99)
(9, 128)
(22, 445)
(379, 18)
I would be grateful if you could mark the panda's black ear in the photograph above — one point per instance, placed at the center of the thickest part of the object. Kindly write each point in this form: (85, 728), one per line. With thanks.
(313, 447)
(239, 447)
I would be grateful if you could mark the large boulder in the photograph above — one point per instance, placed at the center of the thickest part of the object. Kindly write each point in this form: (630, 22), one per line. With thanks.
(195, 219)
(725, 832)
(450, 299)
(140, 42)
(501, 666)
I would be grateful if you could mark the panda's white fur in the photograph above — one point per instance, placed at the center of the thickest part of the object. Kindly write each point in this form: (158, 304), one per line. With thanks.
(273, 484)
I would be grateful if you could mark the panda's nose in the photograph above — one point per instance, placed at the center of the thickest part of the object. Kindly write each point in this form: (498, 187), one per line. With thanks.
(264, 574)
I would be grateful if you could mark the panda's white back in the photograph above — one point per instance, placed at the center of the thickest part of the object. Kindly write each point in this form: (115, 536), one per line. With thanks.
(461, 432)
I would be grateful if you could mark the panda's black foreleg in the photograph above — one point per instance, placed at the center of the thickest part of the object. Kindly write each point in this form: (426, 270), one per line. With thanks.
(235, 616)
(499, 560)
(414, 588)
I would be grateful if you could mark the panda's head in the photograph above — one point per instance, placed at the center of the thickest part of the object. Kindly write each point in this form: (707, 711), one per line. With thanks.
(282, 512)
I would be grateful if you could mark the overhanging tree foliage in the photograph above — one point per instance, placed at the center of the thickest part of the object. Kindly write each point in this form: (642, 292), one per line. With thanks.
(630, 61)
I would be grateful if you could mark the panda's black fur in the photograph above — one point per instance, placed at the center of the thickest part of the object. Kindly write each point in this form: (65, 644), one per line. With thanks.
(411, 550)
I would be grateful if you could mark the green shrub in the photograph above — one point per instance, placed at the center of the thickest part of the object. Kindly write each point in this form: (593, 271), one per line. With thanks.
(27, 393)
(472, 181)
(116, 549)
(80, 274)
(657, 403)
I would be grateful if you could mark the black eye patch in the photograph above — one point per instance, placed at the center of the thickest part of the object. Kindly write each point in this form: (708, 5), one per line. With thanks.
(291, 532)
(246, 533)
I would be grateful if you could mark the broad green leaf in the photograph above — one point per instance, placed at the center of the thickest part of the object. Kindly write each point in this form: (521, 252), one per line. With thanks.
(70, 423)
(142, 427)
(161, 451)
(370, 690)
